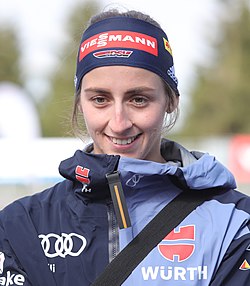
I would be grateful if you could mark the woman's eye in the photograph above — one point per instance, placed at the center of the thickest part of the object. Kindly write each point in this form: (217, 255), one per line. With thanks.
(99, 100)
(140, 101)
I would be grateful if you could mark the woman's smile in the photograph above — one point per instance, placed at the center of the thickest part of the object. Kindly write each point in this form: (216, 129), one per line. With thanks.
(123, 141)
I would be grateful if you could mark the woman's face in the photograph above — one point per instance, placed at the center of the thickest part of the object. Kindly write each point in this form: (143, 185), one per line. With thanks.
(124, 109)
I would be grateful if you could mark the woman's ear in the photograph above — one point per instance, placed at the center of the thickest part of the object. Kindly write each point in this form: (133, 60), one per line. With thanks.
(172, 103)
(79, 107)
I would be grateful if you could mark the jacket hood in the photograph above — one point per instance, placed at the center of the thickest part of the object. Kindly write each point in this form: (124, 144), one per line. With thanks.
(188, 170)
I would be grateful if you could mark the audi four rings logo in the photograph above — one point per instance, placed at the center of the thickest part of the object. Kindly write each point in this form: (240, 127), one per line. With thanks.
(55, 245)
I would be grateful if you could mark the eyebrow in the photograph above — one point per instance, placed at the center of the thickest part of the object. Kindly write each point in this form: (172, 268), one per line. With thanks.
(139, 90)
(96, 90)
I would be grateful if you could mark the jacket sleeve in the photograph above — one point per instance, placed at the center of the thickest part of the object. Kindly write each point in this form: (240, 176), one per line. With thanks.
(11, 271)
(235, 266)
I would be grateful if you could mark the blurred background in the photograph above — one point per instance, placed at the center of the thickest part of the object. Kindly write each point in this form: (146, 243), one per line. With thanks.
(39, 39)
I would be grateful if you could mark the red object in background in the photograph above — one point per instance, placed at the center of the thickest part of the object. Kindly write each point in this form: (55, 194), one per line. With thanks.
(239, 158)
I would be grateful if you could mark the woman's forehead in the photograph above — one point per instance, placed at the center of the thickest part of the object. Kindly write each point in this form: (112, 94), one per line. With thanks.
(125, 75)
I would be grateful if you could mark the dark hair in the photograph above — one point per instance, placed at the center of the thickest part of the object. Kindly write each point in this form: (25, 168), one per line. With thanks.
(131, 14)
(173, 113)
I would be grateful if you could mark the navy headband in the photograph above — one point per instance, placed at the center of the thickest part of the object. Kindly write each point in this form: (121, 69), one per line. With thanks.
(129, 42)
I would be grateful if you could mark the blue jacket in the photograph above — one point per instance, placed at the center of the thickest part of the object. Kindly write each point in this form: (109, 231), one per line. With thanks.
(67, 234)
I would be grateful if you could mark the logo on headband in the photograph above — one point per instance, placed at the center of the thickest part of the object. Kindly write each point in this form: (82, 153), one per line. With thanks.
(167, 46)
(119, 39)
(113, 54)
(171, 73)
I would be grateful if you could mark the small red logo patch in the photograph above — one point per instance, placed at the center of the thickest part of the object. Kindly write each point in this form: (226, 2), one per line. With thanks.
(82, 174)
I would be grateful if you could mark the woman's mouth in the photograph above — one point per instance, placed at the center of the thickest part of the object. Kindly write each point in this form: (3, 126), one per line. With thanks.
(119, 141)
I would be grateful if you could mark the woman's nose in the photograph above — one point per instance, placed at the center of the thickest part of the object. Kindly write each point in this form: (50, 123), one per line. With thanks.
(120, 120)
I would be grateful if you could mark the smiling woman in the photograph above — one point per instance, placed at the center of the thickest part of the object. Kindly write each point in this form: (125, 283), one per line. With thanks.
(66, 235)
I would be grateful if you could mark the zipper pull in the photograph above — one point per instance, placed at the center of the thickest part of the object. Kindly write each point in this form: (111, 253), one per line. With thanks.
(118, 199)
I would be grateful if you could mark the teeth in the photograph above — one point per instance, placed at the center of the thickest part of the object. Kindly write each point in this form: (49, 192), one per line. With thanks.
(123, 141)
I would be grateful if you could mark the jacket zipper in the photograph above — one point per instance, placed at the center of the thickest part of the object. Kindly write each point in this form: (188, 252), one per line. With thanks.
(113, 233)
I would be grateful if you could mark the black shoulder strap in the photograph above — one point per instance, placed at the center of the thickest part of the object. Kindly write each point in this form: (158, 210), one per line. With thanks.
(118, 270)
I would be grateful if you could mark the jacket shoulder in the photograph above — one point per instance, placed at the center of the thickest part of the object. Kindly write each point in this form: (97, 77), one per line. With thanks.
(51, 196)
(240, 200)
